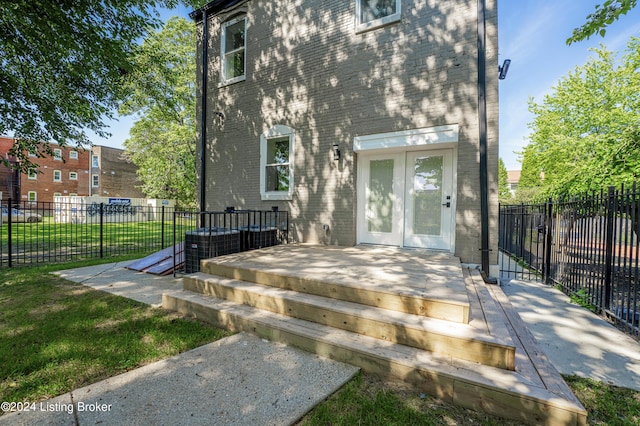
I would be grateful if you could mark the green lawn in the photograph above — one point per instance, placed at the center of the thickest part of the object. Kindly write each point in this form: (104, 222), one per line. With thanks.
(48, 241)
(56, 335)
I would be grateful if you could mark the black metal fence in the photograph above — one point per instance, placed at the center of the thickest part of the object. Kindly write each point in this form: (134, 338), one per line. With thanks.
(44, 232)
(588, 246)
(232, 231)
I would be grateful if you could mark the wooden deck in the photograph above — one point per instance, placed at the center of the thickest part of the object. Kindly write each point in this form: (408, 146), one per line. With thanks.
(413, 315)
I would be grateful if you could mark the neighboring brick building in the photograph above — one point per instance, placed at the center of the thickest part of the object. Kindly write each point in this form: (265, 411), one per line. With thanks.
(112, 174)
(100, 171)
(359, 117)
(66, 173)
(9, 176)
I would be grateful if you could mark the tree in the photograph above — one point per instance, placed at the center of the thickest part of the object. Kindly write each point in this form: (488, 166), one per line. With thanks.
(586, 133)
(530, 181)
(603, 16)
(161, 92)
(62, 64)
(504, 194)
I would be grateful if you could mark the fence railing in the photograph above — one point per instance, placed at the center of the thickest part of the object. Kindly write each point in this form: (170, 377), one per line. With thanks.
(34, 233)
(220, 233)
(42, 232)
(588, 246)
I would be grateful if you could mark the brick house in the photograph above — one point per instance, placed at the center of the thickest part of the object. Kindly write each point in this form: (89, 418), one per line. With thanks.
(66, 173)
(112, 174)
(9, 176)
(100, 171)
(360, 117)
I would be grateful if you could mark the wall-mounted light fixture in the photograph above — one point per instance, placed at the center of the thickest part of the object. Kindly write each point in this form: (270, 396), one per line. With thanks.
(336, 152)
(502, 70)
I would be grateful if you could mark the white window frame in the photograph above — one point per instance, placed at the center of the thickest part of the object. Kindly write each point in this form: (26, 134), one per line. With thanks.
(32, 196)
(277, 131)
(73, 155)
(95, 161)
(73, 175)
(95, 181)
(59, 173)
(223, 54)
(33, 176)
(57, 154)
(376, 23)
(57, 194)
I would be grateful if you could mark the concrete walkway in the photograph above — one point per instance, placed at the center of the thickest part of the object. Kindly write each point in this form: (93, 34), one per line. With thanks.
(239, 380)
(576, 341)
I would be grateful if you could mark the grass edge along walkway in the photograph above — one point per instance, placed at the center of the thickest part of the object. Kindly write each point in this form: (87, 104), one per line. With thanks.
(57, 336)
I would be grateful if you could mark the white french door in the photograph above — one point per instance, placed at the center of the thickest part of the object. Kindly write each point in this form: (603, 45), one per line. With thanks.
(406, 199)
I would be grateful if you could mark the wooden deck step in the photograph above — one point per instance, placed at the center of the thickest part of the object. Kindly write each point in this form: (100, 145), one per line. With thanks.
(433, 295)
(469, 384)
(441, 337)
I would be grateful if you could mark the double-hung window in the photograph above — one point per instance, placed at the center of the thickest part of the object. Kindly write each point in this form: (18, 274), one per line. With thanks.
(276, 163)
(233, 50)
(376, 13)
(57, 176)
(57, 154)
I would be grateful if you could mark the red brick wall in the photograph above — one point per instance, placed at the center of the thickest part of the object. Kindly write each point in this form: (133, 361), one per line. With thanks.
(44, 185)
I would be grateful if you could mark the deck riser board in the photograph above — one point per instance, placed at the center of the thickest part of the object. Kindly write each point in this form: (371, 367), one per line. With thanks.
(415, 331)
(442, 309)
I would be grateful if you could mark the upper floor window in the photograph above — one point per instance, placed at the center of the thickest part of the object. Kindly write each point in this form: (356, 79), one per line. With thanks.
(95, 180)
(276, 163)
(57, 176)
(33, 175)
(233, 50)
(95, 161)
(376, 13)
(57, 154)
(32, 196)
(73, 155)
(73, 175)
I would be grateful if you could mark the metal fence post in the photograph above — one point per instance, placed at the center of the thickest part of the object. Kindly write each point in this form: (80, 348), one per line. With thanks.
(162, 228)
(546, 269)
(608, 275)
(101, 230)
(9, 233)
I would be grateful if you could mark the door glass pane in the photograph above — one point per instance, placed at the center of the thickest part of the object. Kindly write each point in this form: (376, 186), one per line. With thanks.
(380, 197)
(427, 195)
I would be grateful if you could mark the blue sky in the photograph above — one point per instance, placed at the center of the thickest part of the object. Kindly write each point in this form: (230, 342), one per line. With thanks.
(532, 34)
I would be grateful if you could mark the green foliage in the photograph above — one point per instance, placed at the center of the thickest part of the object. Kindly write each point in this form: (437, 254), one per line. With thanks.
(603, 16)
(161, 92)
(586, 133)
(62, 65)
(582, 298)
(530, 183)
(504, 195)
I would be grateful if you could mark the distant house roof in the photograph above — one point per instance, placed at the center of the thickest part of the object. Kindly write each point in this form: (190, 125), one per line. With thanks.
(513, 176)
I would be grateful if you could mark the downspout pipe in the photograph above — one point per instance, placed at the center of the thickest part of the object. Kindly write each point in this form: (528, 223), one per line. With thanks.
(203, 109)
(482, 125)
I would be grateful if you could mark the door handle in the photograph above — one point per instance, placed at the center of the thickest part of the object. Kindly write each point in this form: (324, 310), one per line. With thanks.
(448, 204)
